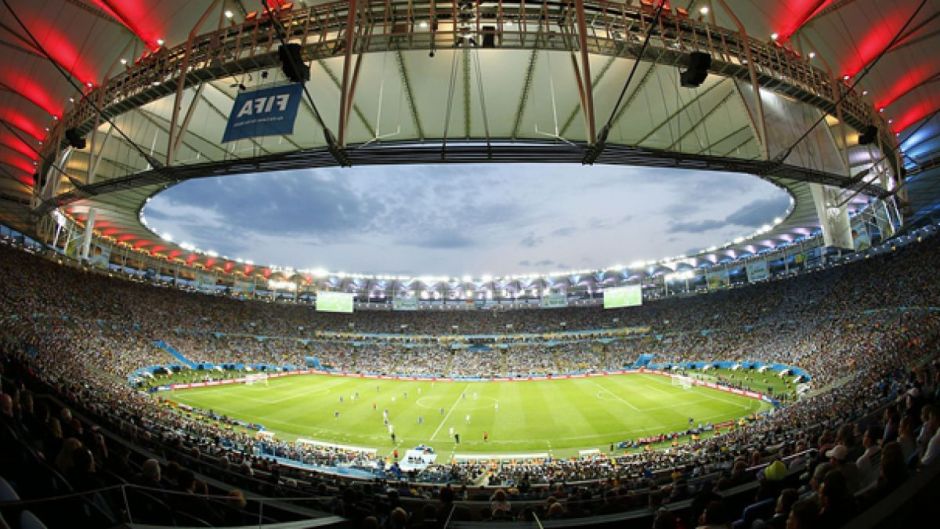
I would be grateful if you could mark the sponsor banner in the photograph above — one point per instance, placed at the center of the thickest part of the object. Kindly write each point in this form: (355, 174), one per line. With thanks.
(404, 303)
(719, 279)
(553, 300)
(266, 112)
(757, 271)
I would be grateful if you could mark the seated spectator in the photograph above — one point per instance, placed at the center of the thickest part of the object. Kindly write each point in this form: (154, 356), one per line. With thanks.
(837, 506)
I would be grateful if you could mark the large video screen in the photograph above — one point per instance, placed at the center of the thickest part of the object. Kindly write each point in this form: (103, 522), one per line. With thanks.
(628, 296)
(335, 302)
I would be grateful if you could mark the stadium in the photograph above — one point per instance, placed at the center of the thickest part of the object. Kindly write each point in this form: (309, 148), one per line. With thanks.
(349, 263)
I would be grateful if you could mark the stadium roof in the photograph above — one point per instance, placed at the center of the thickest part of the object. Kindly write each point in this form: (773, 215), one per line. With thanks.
(423, 83)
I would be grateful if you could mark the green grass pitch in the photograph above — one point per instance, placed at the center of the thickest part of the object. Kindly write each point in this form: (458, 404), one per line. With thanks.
(555, 416)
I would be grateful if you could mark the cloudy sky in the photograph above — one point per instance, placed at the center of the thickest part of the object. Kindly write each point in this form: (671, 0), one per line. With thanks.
(464, 219)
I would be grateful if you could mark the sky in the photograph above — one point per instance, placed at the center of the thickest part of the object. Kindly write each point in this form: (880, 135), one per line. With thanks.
(464, 219)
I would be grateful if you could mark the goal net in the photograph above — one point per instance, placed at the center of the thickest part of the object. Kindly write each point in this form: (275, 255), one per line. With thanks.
(259, 378)
(682, 382)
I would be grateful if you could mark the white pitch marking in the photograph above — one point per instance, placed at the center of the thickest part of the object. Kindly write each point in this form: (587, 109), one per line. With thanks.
(451, 410)
(614, 395)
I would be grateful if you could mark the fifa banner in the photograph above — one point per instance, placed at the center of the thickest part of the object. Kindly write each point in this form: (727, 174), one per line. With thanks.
(100, 256)
(628, 296)
(265, 112)
(244, 287)
(335, 302)
(860, 237)
(719, 279)
(555, 300)
(757, 271)
(404, 303)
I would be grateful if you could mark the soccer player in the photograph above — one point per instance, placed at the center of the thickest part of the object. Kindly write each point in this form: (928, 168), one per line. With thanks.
(393, 437)
(457, 438)
(336, 414)
(450, 431)
(420, 419)
(486, 436)
(340, 399)
(497, 405)
(442, 411)
(468, 418)
(406, 395)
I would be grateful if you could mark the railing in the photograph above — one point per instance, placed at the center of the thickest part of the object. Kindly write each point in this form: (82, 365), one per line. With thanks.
(132, 504)
(614, 29)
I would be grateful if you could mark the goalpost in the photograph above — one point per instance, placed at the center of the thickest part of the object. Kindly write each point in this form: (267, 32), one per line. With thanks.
(259, 378)
(682, 381)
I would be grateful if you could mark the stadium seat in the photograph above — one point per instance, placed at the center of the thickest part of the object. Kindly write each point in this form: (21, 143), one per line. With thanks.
(7, 493)
(28, 520)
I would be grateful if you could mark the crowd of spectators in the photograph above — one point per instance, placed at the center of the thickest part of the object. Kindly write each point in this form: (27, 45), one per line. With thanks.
(864, 331)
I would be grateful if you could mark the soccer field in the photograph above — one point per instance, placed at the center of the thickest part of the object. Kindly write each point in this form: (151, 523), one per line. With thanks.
(559, 417)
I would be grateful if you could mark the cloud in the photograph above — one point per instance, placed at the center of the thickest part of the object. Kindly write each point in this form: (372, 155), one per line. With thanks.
(697, 226)
(445, 240)
(531, 241)
(759, 212)
(752, 215)
(567, 231)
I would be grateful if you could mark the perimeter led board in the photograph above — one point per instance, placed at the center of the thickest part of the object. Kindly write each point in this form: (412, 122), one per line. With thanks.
(335, 302)
(628, 296)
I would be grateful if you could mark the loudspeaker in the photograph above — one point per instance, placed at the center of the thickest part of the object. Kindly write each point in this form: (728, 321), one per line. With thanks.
(489, 36)
(75, 139)
(697, 65)
(292, 64)
(868, 135)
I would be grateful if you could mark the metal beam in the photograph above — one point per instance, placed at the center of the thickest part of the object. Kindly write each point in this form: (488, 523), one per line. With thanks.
(345, 91)
(524, 96)
(699, 122)
(355, 108)
(406, 83)
(574, 111)
(587, 91)
(679, 111)
(723, 139)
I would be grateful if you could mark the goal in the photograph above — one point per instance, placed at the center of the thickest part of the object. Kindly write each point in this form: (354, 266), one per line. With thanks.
(259, 378)
(682, 382)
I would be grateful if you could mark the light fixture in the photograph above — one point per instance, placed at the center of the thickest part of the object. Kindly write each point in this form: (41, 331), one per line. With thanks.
(423, 24)
(890, 121)
(882, 109)
(228, 13)
(703, 10)
(864, 92)
(774, 36)
(89, 84)
(812, 55)
(124, 62)
(846, 77)
(71, 100)
(160, 42)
